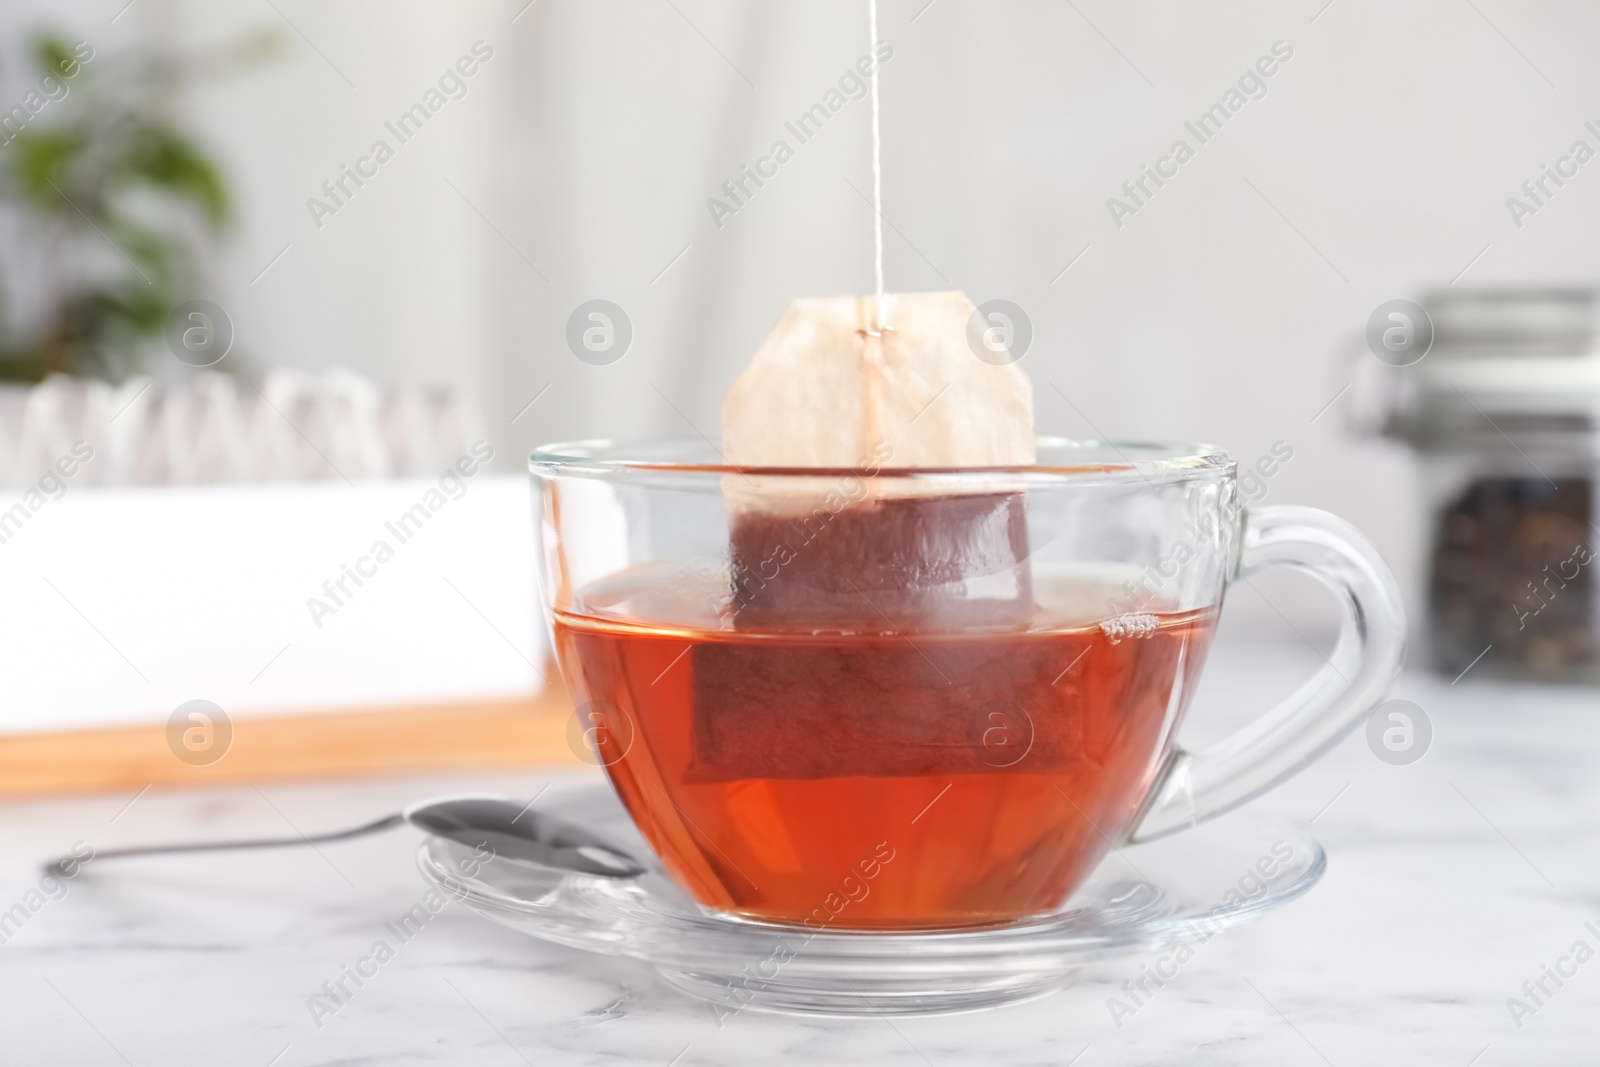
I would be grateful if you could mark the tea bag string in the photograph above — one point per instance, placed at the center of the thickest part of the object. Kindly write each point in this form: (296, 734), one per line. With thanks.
(882, 316)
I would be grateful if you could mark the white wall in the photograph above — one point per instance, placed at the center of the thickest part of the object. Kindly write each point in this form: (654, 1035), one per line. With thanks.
(1377, 164)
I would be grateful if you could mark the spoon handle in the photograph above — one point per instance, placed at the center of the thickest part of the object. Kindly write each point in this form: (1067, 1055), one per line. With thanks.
(59, 866)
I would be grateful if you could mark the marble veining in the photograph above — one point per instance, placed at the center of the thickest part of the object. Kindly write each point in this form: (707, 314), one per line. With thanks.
(1452, 882)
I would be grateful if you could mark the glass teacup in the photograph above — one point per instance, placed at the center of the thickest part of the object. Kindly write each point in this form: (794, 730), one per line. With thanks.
(887, 698)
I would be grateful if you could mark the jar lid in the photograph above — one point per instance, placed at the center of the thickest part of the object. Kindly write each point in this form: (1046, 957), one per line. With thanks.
(1507, 368)
(1511, 324)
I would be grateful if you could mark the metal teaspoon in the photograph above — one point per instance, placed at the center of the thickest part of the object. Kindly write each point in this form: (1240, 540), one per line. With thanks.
(513, 832)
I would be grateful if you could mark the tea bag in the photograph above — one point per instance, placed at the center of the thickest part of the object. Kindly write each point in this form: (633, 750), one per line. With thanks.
(830, 389)
(870, 557)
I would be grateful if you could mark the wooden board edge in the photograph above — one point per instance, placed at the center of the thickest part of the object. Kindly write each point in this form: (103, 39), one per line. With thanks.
(458, 735)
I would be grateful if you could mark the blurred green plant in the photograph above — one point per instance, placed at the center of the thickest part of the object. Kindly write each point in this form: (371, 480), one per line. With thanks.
(118, 206)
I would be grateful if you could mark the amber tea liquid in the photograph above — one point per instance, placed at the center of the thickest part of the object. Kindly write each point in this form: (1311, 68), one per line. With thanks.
(868, 779)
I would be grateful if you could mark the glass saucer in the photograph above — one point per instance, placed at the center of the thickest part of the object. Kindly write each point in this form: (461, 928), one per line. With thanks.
(1142, 899)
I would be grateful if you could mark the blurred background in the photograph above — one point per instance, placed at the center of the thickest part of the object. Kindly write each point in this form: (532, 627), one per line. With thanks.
(377, 327)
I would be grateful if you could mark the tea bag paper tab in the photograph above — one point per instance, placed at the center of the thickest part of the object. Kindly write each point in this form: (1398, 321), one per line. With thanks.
(827, 388)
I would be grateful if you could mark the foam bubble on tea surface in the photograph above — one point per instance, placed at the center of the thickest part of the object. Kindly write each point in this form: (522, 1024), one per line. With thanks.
(830, 389)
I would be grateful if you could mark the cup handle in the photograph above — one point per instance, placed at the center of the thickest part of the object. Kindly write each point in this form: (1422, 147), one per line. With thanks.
(1195, 786)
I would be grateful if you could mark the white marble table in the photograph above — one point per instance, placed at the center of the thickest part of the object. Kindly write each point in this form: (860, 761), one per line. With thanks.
(1451, 883)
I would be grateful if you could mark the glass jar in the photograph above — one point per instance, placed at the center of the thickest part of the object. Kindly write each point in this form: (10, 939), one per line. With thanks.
(1502, 413)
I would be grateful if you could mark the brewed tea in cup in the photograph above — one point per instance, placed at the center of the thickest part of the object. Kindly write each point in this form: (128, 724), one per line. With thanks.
(936, 702)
